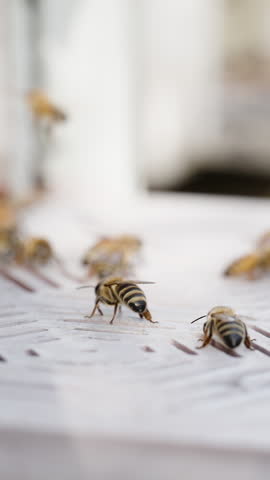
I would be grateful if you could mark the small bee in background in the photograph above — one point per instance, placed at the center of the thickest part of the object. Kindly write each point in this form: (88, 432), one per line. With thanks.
(250, 265)
(124, 245)
(35, 250)
(227, 325)
(112, 255)
(116, 292)
(254, 264)
(42, 107)
(45, 114)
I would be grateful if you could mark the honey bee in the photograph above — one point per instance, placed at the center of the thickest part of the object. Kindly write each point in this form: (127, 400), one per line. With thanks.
(35, 250)
(112, 256)
(224, 322)
(122, 247)
(251, 265)
(11, 245)
(116, 292)
(42, 106)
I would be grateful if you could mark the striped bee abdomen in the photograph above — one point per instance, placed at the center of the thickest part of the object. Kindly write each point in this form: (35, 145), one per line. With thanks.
(132, 296)
(232, 333)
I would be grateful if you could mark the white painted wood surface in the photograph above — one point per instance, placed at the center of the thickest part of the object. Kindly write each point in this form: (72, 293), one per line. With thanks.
(95, 403)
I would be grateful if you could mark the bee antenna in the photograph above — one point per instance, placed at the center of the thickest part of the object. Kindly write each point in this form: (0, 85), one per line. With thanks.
(86, 286)
(199, 318)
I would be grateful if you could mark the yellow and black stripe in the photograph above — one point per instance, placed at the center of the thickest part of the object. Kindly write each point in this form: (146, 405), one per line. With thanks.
(231, 332)
(132, 296)
(115, 292)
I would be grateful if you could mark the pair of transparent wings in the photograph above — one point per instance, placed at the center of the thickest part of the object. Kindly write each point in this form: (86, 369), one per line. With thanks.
(117, 282)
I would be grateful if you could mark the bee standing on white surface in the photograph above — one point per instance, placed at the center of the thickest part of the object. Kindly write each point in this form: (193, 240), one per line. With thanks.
(227, 325)
(117, 291)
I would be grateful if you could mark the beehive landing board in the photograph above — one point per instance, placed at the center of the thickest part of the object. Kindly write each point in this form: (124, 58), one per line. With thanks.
(84, 399)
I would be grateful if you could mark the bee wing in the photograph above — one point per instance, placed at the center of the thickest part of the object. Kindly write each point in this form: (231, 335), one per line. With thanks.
(86, 286)
(245, 318)
(225, 318)
(118, 282)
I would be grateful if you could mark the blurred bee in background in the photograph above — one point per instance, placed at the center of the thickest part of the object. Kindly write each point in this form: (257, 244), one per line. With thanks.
(116, 292)
(46, 114)
(254, 264)
(112, 256)
(35, 250)
(227, 325)
(43, 108)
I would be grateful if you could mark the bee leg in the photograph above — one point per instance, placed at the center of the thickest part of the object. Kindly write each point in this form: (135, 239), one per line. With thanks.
(206, 339)
(207, 336)
(114, 313)
(96, 307)
(247, 341)
(120, 309)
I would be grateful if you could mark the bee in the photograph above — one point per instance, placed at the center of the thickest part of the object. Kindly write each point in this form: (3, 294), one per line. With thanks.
(224, 322)
(115, 248)
(42, 107)
(116, 292)
(107, 269)
(251, 265)
(36, 250)
(112, 256)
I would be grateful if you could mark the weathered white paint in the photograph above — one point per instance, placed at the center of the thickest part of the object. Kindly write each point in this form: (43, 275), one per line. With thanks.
(94, 404)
